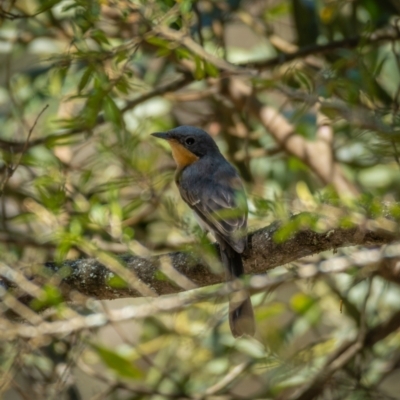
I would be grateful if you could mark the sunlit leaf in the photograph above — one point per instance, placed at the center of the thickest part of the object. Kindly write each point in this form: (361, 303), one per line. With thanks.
(199, 71)
(119, 364)
(85, 78)
(51, 297)
(301, 303)
(112, 112)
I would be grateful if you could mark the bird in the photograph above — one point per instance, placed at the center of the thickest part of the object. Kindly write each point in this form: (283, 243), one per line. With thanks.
(212, 188)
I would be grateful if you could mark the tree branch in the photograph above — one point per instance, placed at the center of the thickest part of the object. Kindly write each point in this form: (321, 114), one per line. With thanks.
(305, 51)
(18, 147)
(76, 322)
(91, 278)
(343, 355)
(317, 155)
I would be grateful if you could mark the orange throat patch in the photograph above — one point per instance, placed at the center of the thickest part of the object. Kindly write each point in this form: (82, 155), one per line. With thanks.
(182, 156)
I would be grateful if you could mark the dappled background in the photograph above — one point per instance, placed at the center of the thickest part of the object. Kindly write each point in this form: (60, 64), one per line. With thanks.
(301, 96)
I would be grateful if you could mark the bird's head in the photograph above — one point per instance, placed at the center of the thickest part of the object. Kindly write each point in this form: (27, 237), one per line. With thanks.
(188, 144)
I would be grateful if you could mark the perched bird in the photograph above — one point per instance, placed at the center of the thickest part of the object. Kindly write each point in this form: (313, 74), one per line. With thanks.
(214, 191)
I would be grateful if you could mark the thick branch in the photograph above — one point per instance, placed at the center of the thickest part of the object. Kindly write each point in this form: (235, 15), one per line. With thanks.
(162, 273)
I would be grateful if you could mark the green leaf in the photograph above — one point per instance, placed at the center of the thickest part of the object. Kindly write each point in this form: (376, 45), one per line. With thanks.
(330, 111)
(301, 303)
(281, 8)
(122, 85)
(156, 41)
(378, 68)
(46, 5)
(63, 73)
(160, 276)
(395, 211)
(263, 82)
(85, 78)
(183, 53)
(119, 364)
(51, 297)
(199, 72)
(75, 227)
(304, 81)
(112, 113)
(99, 36)
(128, 233)
(263, 206)
(117, 282)
(93, 105)
(270, 311)
(163, 52)
(185, 6)
(346, 222)
(121, 56)
(301, 221)
(211, 70)
(251, 347)
(285, 232)
(295, 164)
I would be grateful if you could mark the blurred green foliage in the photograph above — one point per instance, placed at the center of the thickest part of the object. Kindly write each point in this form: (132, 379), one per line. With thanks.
(88, 174)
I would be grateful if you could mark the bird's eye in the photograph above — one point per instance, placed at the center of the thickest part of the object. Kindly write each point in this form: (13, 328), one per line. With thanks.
(189, 141)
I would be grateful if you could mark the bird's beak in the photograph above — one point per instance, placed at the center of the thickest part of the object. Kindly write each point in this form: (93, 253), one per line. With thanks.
(161, 135)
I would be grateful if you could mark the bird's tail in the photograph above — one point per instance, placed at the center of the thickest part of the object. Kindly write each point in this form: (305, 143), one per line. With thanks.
(241, 315)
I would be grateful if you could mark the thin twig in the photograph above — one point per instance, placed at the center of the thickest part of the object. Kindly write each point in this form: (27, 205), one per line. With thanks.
(321, 49)
(10, 171)
(226, 380)
(91, 276)
(180, 301)
(177, 84)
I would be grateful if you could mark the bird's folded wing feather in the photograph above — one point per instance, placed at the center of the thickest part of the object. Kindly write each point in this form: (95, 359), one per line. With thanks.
(224, 210)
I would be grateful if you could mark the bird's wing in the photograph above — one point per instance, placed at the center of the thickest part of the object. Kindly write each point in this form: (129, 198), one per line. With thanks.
(223, 208)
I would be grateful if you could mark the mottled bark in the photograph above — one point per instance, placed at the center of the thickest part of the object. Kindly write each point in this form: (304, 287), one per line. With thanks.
(178, 271)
